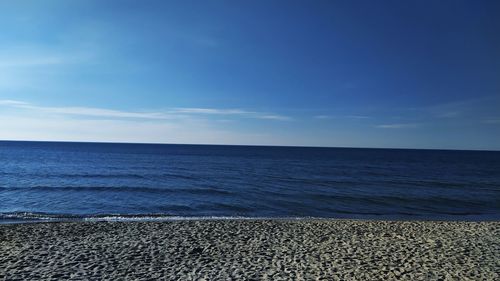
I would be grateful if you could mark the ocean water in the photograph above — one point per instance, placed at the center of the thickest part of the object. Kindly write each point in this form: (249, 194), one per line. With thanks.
(56, 180)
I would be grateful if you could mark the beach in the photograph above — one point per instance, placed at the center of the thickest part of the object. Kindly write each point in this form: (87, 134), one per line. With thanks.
(251, 250)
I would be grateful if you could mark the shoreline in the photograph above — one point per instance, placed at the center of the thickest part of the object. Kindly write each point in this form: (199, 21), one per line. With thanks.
(7, 222)
(251, 249)
(33, 217)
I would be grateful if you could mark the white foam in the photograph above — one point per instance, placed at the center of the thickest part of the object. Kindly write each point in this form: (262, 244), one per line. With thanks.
(186, 218)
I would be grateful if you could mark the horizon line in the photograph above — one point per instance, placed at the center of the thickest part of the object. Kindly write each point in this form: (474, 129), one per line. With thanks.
(251, 145)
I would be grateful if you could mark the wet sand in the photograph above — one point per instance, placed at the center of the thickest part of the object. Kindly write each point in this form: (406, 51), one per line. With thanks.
(251, 250)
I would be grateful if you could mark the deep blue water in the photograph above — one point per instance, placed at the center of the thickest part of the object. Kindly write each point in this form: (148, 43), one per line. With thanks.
(50, 179)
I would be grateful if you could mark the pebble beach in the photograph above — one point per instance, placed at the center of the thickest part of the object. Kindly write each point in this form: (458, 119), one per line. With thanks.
(251, 250)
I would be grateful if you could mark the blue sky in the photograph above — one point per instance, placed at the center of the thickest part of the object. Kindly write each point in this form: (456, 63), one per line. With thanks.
(413, 74)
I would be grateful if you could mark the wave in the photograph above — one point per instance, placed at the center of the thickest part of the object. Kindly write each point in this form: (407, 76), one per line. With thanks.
(395, 200)
(34, 217)
(49, 217)
(146, 176)
(211, 191)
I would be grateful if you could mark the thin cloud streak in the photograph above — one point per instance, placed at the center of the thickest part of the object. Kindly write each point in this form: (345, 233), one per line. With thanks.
(450, 114)
(250, 114)
(85, 111)
(273, 117)
(359, 117)
(397, 126)
(323, 117)
(26, 62)
(34, 56)
(194, 110)
(12, 103)
(491, 121)
(53, 128)
(175, 113)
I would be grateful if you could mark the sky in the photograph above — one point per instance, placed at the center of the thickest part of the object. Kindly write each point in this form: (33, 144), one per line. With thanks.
(389, 74)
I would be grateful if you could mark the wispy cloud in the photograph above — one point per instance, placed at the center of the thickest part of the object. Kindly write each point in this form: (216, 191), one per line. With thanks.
(52, 128)
(342, 117)
(36, 56)
(174, 113)
(448, 114)
(33, 61)
(323, 117)
(239, 112)
(13, 103)
(21, 120)
(273, 117)
(491, 121)
(85, 111)
(194, 110)
(28, 67)
(397, 126)
(357, 117)
(474, 109)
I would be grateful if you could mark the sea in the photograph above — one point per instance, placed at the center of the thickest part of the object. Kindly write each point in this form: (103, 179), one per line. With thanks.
(59, 181)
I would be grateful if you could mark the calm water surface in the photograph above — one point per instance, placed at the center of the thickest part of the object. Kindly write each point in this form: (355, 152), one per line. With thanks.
(42, 180)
